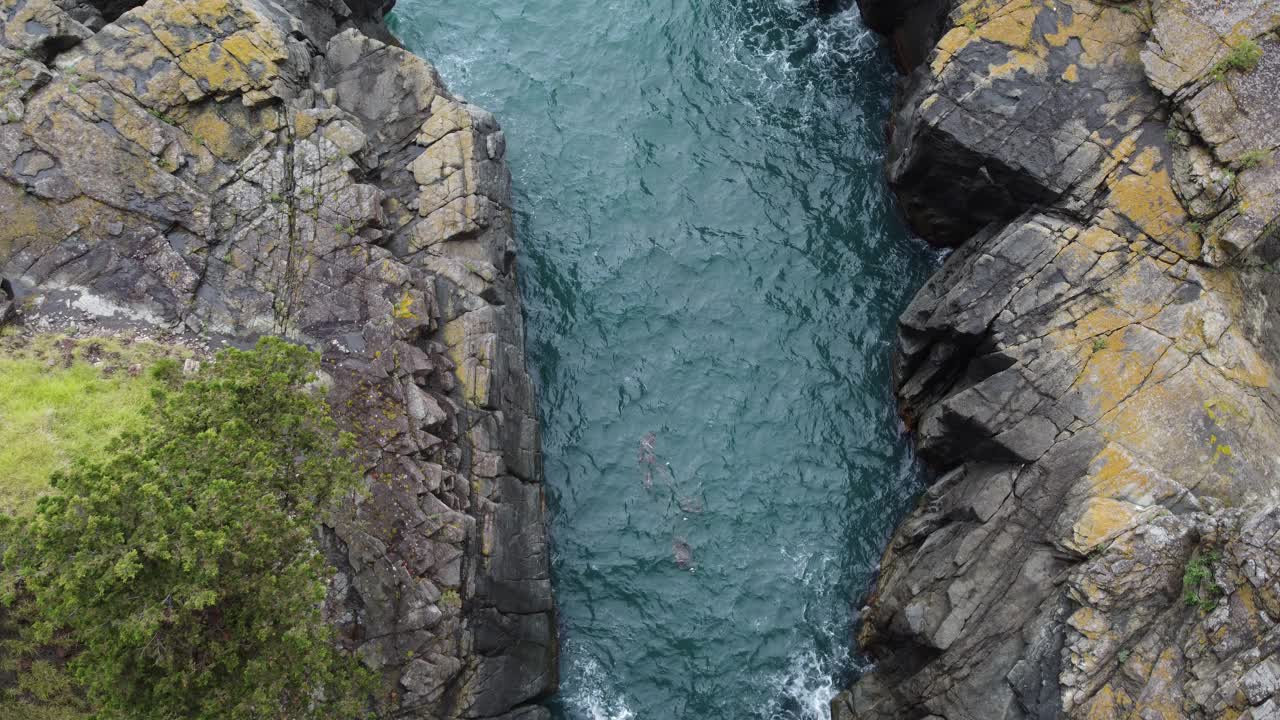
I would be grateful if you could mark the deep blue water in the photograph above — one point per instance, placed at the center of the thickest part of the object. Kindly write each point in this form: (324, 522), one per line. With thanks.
(711, 270)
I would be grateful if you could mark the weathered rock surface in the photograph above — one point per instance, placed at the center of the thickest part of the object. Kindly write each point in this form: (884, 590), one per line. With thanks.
(235, 168)
(1092, 372)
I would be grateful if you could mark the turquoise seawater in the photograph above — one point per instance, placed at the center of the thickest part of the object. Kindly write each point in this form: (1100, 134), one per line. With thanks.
(711, 269)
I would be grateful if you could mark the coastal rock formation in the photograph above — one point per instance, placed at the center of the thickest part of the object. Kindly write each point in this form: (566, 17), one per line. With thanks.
(1092, 372)
(227, 169)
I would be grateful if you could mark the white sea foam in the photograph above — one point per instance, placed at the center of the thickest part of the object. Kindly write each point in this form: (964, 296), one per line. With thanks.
(787, 65)
(805, 689)
(594, 696)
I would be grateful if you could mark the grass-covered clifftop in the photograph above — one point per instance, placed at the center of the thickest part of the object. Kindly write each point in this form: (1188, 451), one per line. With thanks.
(64, 397)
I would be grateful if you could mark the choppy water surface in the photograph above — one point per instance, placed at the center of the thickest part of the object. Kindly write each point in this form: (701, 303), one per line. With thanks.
(711, 270)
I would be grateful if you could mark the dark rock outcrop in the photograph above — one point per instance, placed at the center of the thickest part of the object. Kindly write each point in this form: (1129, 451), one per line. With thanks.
(1092, 372)
(234, 168)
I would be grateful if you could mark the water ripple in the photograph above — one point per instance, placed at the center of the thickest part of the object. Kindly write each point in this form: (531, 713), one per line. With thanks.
(711, 271)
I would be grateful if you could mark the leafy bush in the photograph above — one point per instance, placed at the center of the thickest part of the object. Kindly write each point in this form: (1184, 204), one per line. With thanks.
(183, 567)
(1198, 587)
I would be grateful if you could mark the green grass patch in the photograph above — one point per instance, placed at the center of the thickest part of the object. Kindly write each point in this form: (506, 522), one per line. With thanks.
(1244, 56)
(62, 398)
(1253, 159)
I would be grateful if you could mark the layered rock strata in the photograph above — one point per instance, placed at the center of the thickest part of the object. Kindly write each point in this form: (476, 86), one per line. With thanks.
(228, 169)
(1092, 372)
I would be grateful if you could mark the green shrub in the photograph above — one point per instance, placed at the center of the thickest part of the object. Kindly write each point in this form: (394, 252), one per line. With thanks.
(1198, 588)
(183, 567)
(1244, 56)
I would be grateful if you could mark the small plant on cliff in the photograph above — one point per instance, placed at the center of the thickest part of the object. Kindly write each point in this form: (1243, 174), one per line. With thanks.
(1244, 56)
(182, 569)
(1252, 159)
(1198, 588)
(161, 116)
(1099, 343)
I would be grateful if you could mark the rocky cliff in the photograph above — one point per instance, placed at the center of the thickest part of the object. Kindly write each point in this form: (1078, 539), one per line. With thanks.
(1092, 372)
(225, 169)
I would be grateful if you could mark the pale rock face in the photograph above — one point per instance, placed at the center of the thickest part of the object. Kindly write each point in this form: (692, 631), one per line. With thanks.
(1093, 369)
(235, 168)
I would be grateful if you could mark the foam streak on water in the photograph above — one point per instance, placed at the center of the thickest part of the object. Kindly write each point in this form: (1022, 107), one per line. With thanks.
(711, 271)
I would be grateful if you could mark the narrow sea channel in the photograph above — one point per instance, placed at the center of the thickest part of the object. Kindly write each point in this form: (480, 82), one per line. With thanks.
(712, 268)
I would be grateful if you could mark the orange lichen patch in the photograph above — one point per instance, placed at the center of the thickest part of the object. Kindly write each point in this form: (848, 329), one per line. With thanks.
(304, 124)
(173, 23)
(404, 309)
(1130, 298)
(211, 12)
(948, 46)
(1248, 368)
(1103, 32)
(1012, 25)
(1100, 520)
(1031, 62)
(1009, 24)
(1116, 474)
(215, 68)
(1089, 622)
(1199, 431)
(1247, 600)
(1108, 703)
(129, 120)
(1115, 371)
(257, 52)
(1100, 240)
(1072, 73)
(1145, 196)
(222, 45)
(1097, 323)
(212, 131)
(1121, 151)
(1161, 699)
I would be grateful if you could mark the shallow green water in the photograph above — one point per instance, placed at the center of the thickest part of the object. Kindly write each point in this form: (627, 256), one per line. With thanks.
(709, 256)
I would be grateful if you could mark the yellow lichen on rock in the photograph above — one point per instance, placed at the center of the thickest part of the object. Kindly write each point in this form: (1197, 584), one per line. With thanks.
(953, 41)
(1145, 196)
(1012, 25)
(1108, 703)
(1115, 371)
(1116, 474)
(1101, 519)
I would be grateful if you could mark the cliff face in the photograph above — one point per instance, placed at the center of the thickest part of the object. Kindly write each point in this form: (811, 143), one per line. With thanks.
(1092, 372)
(227, 169)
